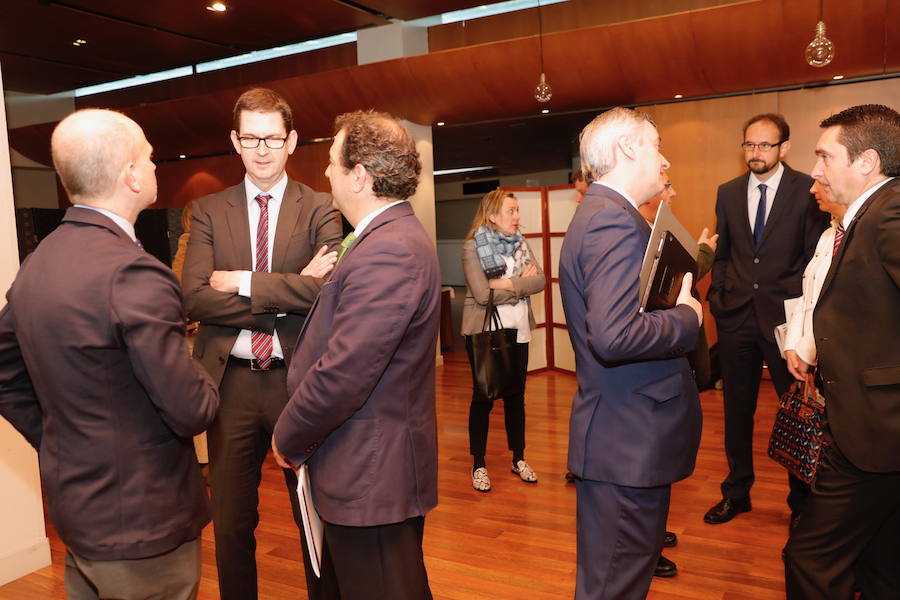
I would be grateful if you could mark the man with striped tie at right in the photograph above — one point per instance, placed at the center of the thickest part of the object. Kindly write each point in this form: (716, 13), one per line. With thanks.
(254, 265)
(768, 226)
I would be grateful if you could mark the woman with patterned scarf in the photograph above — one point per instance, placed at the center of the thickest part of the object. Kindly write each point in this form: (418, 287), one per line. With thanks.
(496, 257)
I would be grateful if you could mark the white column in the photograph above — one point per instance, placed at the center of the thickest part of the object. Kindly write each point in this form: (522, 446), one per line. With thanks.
(398, 40)
(23, 542)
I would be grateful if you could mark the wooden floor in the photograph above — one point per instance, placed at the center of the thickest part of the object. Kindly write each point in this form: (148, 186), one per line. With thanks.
(518, 541)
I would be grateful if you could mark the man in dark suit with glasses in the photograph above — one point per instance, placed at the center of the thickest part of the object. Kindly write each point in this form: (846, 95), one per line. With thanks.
(254, 264)
(768, 226)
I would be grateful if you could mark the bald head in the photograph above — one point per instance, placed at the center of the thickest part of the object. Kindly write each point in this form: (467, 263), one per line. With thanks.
(91, 148)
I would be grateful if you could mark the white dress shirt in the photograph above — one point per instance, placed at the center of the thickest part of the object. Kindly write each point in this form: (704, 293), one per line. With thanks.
(242, 345)
(123, 223)
(753, 194)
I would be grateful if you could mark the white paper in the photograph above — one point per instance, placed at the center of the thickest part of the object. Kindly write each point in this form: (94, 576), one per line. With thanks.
(312, 524)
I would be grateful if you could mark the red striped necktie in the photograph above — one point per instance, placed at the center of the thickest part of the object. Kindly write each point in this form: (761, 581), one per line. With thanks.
(838, 236)
(261, 343)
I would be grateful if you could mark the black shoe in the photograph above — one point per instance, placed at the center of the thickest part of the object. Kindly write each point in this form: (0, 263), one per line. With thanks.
(570, 477)
(726, 510)
(665, 568)
(670, 540)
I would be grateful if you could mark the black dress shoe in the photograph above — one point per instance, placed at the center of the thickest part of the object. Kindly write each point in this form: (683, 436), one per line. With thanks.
(570, 477)
(670, 540)
(726, 510)
(665, 568)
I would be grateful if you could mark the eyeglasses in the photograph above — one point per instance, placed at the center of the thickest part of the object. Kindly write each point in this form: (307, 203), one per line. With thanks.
(750, 146)
(251, 141)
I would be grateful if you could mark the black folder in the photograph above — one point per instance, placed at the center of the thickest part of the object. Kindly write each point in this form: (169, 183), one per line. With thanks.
(670, 263)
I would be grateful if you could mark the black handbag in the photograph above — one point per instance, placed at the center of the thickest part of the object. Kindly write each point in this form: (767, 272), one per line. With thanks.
(496, 372)
(796, 441)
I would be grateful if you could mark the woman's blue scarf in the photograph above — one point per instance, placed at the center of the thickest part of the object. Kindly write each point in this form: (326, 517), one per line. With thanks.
(492, 246)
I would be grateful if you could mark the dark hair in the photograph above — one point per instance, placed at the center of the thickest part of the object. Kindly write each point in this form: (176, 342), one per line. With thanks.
(387, 151)
(263, 100)
(870, 126)
(784, 130)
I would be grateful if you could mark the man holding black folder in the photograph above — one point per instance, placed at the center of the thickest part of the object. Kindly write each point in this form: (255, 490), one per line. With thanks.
(635, 424)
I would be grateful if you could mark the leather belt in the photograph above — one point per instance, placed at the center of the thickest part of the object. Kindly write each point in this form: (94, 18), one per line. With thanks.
(253, 364)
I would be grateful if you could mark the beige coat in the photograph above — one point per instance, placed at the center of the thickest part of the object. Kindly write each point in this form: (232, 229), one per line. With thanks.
(477, 290)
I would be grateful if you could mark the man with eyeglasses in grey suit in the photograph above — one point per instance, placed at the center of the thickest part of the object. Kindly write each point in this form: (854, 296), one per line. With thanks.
(254, 266)
(768, 226)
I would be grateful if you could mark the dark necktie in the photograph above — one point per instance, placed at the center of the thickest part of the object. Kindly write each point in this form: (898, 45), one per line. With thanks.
(261, 343)
(760, 223)
(838, 236)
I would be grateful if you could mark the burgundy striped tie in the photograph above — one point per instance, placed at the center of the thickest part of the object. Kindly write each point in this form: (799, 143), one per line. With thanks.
(838, 236)
(261, 343)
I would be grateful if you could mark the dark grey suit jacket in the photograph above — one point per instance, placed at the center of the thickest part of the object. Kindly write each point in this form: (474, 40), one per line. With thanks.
(746, 277)
(220, 241)
(361, 412)
(636, 415)
(857, 327)
(96, 326)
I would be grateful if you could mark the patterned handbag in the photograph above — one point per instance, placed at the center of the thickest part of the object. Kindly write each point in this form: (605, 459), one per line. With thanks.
(796, 441)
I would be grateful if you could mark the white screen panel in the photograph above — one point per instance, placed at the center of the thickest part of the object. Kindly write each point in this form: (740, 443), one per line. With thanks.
(558, 315)
(555, 248)
(561, 204)
(537, 307)
(530, 212)
(537, 350)
(563, 355)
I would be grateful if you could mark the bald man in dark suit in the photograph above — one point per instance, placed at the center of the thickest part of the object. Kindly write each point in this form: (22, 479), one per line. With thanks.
(95, 373)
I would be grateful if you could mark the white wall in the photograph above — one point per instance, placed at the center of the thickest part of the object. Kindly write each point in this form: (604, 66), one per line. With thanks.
(23, 542)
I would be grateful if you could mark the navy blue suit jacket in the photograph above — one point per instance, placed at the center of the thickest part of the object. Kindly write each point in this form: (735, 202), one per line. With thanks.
(361, 412)
(636, 417)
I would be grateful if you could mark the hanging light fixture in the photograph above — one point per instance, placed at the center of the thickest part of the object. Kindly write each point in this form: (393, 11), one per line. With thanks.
(820, 51)
(542, 92)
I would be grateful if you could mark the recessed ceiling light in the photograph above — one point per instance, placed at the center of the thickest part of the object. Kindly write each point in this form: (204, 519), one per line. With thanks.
(79, 42)
(182, 156)
(545, 111)
(217, 7)
(440, 123)
(679, 96)
(837, 77)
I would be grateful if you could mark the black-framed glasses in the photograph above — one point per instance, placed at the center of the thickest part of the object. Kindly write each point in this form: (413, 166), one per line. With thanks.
(251, 141)
(751, 146)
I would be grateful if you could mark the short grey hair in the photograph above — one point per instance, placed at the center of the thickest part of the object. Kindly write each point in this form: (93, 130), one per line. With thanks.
(599, 137)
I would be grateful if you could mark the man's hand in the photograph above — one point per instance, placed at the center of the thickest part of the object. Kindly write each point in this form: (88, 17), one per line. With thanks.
(321, 263)
(684, 297)
(796, 365)
(225, 281)
(709, 241)
(281, 460)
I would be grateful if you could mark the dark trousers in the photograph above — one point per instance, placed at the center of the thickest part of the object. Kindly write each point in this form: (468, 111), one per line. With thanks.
(847, 534)
(239, 439)
(513, 410)
(619, 537)
(174, 575)
(384, 562)
(742, 353)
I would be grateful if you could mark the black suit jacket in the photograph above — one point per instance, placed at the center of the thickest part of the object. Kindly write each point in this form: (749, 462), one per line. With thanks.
(857, 327)
(746, 277)
(220, 241)
(95, 373)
